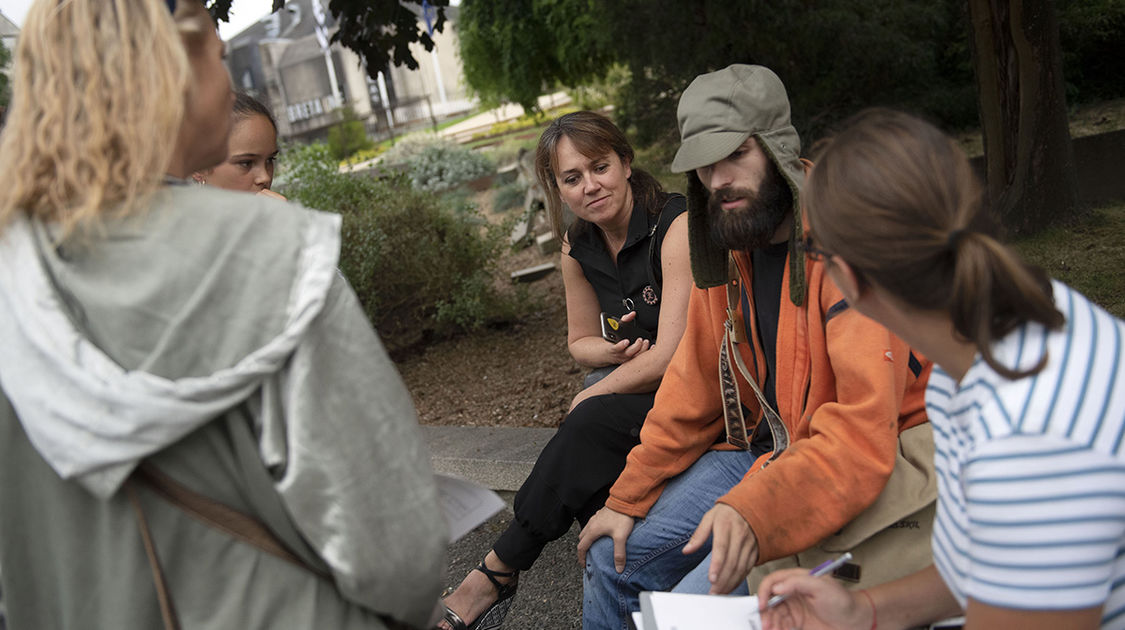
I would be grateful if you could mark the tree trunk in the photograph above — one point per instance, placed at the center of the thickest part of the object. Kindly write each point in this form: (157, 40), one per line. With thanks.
(1031, 177)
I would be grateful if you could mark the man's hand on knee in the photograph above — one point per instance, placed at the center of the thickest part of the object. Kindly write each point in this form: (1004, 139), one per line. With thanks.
(734, 547)
(610, 523)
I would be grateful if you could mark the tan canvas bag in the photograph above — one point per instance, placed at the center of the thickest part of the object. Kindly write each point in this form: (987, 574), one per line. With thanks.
(891, 538)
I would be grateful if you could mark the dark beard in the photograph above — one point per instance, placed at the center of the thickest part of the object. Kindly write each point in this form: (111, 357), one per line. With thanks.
(753, 226)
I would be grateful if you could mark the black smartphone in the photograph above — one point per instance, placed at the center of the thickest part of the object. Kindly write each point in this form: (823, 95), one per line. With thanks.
(614, 330)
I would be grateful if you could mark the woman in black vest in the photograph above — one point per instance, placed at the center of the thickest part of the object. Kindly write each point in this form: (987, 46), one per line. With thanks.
(625, 255)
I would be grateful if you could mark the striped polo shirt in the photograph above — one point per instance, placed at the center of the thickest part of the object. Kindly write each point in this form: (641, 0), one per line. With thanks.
(1031, 472)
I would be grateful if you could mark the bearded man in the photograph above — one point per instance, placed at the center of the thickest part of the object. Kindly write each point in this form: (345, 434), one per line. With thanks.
(777, 420)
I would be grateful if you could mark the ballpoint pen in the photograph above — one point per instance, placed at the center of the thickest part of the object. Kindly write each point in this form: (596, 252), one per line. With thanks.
(823, 568)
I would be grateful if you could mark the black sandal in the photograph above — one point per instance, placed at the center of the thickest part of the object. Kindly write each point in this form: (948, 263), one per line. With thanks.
(493, 616)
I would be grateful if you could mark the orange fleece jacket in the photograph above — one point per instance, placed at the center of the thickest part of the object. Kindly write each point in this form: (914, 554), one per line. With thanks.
(845, 389)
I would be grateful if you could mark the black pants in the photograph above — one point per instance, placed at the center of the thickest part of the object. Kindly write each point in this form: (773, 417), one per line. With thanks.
(572, 477)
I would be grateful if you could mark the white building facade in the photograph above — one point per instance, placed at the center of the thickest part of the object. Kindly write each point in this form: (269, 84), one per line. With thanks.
(281, 61)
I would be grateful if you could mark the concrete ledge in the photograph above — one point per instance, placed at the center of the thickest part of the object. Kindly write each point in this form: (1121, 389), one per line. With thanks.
(499, 458)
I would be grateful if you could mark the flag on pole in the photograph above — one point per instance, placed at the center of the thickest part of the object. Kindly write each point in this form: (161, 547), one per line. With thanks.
(429, 14)
(321, 29)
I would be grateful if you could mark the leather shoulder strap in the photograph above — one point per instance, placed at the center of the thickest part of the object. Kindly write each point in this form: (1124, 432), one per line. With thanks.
(214, 514)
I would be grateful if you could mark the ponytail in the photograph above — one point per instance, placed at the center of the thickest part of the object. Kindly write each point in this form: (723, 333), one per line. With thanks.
(993, 292)
(894, 197)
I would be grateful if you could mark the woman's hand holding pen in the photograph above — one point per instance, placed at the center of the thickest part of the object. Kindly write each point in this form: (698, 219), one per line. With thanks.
(812, 603)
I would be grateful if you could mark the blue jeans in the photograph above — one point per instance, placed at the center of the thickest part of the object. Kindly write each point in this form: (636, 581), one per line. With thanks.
(654, 560)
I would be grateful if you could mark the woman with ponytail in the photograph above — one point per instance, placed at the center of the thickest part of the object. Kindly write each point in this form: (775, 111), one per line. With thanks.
(1027, 397)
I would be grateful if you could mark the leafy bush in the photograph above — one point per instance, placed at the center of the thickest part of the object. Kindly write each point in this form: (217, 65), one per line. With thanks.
(348, 137)
(418, 267)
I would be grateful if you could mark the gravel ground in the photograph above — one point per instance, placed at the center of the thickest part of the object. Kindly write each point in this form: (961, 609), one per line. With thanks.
(520, 375)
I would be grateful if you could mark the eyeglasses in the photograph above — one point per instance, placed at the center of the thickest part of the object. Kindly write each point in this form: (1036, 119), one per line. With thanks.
(812, 251)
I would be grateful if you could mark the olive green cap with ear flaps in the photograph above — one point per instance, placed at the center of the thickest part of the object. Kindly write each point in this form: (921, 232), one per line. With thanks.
(716, 114)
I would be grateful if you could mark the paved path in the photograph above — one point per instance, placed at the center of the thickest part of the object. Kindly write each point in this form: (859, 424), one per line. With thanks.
(464, 130)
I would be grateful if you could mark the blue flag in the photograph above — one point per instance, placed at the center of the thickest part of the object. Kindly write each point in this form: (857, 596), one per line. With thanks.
(429, 13)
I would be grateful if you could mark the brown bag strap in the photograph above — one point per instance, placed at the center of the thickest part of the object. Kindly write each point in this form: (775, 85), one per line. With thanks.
(735, 332)
(221, 517)
(213, 514)
(163, 595)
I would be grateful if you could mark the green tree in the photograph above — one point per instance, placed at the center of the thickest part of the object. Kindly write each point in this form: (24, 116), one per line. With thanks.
(836, 57)
(514, 50)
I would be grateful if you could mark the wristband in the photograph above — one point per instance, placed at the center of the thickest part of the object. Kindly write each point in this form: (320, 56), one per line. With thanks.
(874, 617)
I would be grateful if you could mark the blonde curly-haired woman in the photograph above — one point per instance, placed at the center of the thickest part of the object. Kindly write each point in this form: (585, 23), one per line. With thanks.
(170, 348)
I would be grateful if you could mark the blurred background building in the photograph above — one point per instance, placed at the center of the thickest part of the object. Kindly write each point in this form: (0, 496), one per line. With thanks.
(284, 61)
(9, 33)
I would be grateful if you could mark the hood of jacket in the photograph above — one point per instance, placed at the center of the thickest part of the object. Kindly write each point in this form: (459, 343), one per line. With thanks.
(717, 113)
(119, 343)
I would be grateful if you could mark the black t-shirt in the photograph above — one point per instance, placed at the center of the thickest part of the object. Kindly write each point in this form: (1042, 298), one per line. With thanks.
(767, 277)
(626, 286)
(769, 271)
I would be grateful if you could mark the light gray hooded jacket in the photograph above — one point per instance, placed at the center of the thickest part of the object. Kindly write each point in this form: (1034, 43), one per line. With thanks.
(212, 335)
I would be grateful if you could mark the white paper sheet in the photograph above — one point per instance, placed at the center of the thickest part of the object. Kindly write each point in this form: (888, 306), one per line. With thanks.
(678, 611)
(465, 504)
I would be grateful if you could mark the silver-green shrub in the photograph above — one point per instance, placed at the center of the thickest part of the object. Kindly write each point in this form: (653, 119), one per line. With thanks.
(436, 164)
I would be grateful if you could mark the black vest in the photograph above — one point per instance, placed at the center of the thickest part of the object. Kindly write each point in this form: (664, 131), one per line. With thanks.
(626, 286)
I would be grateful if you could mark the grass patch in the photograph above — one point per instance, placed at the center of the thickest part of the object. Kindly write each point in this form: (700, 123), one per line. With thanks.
(1089, 256)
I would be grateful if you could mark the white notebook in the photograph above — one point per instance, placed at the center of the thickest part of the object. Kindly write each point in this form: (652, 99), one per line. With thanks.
(679, 611)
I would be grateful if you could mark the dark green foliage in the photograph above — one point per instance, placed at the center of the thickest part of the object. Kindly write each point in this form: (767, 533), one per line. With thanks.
(1092, 37)
(513, 50)
(835, 56)
(380, 31)
(348, 137)
(418, 267)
